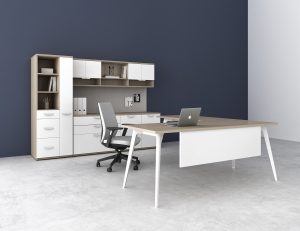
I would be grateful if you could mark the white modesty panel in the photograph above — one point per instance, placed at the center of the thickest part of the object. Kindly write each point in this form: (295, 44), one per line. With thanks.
(203, 147)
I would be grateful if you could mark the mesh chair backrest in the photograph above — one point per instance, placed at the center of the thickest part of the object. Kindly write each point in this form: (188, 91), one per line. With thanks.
(108, 118)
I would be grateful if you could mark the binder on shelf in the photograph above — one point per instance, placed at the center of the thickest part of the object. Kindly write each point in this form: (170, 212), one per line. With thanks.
(84, 111)
(79, 103)
(75, 106)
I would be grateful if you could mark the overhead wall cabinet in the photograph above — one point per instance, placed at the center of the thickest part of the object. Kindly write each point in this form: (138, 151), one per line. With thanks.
(87, 69)
(55, 130)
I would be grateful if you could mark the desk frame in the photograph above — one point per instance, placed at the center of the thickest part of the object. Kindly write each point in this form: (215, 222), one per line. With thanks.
(159, 136)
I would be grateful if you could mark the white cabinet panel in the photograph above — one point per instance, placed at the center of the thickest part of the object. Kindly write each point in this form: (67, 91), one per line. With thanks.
(79, 68)
(47, 147)
(147, 72)
(134, 71)
(47, 114)
(88, 129)
(47, 128)
(149, 141)
(66, 105)
(88, 143)
(86, 120)
(93, 69)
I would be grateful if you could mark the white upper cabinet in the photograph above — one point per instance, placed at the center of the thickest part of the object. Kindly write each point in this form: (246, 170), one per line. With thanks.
(87, 69)
(134, 71)
(93, 69)
(147, 72)
(79, 68)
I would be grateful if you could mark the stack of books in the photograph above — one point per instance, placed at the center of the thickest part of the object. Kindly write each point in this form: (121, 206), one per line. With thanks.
(53, 84)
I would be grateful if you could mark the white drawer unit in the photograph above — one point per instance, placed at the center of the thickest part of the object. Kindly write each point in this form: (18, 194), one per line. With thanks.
(131, 119)
(88, 143)
(47, 114)
(47, 128)
(87, 129)
(86, 120)
(47, 147)
(149, 141)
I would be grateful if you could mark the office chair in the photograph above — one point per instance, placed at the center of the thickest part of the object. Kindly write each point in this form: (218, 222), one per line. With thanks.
(110, 139)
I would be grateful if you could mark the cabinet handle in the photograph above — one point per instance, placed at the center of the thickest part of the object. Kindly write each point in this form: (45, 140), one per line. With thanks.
(97, 126)
(151, 116)
(130, 116)
(67, 114)
(49, 147)
(97, 135)
(48, 128)
(48, 114)
(97, 118)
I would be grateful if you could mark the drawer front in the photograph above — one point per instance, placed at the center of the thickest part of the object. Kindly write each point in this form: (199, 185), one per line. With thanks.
(88, 143)
(47, 147)
(131, 119)
(151, 118)
(119, 119)
(88, 129)
(47, 114)
(48, 128)
(86, 120)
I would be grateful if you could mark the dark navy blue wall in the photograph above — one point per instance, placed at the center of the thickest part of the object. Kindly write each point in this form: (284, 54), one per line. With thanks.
(199, 48)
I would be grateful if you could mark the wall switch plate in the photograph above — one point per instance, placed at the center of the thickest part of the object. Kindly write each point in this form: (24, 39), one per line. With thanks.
(129, 101)
(137, 98)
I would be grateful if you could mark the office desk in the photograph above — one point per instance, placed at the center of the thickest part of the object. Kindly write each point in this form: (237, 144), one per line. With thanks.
(212, 140)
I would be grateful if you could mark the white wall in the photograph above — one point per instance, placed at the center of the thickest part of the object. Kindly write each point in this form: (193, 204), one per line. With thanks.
(274, 65)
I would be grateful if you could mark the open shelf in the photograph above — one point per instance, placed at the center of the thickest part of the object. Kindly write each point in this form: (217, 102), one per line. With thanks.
(44, 74)
(48, 92)
(53, 100)
(137, 83)
(113, 69)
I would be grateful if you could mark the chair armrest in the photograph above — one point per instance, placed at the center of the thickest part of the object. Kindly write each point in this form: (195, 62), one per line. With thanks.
(124, 130)
(114, 128)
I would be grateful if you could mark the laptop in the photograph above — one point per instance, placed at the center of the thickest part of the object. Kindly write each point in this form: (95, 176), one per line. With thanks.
(188, 117)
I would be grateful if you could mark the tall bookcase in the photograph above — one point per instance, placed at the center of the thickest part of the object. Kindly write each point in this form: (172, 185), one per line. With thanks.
(51, 108)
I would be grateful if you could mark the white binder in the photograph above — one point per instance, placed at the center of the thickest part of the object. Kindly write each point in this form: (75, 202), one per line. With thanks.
(84, 111)
(75, 106)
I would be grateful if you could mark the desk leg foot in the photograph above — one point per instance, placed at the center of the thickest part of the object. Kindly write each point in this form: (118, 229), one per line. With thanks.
(233, 164)
(267, 141)
(159, 138)
(129, 157)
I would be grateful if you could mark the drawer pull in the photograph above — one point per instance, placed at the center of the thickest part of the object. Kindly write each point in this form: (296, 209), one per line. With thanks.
(97, 118)
(97, 135)
(49, 147)
(48, 114)
(130, 116)
(97, 126)
(151, 116)
(67, 114)
(48, 128)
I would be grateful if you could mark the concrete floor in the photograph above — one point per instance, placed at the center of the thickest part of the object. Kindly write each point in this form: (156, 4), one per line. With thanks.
(72, 194)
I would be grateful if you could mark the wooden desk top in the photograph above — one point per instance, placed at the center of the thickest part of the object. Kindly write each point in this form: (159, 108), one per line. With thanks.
(204, 123)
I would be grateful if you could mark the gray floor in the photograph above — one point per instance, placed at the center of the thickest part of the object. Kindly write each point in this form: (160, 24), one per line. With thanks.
(72, 194)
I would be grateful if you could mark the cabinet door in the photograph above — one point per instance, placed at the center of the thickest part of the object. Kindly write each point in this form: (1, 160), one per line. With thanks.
(134, 71)
(79, 69)
(147, 72)
(89, 143)
(66, 105)
(93, 69)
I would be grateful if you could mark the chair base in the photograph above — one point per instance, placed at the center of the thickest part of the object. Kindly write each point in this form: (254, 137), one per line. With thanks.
(117, 158)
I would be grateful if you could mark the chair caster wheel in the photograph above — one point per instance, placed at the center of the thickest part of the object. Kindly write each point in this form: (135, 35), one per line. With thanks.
(135, 168)
(98, 164)
(109, 169)
(138, 162)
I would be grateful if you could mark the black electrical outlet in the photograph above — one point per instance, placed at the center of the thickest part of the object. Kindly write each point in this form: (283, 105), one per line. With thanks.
(136, 98)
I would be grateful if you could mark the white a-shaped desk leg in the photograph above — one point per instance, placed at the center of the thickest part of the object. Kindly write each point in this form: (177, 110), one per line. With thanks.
(267, 141)
(157, 166)
(129, 157)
